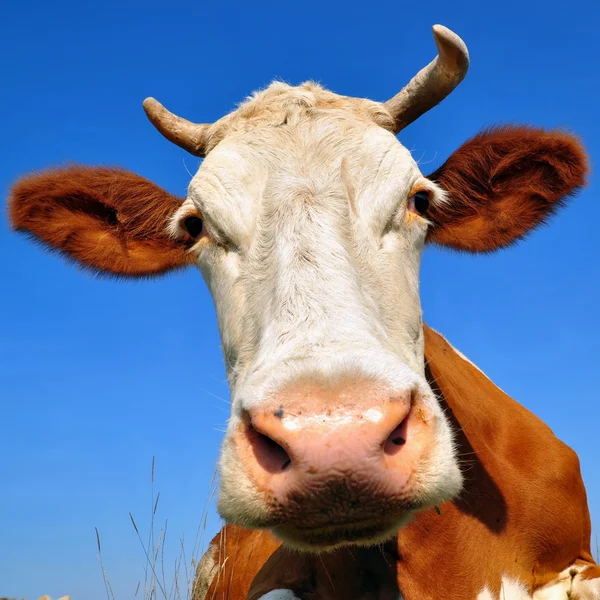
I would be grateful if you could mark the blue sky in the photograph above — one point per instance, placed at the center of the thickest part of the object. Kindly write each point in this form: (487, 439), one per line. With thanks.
(99, 376)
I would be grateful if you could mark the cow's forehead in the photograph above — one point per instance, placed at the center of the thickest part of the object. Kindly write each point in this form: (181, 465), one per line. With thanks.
(305, 141)
(319, 139)
(318, 155)
(279, 102)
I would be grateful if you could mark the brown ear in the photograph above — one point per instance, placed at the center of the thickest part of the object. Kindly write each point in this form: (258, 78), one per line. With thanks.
(503, 183)
(108, 220)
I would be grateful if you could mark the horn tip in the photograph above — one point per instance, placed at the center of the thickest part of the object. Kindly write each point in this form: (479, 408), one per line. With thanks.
(446, 37)
(437, 28)
(443, 32)
(150, 104)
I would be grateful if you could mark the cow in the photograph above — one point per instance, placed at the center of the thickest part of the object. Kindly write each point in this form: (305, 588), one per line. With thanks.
(307, 219)
(519, 529)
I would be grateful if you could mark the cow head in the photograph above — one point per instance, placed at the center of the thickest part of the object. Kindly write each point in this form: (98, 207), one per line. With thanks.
(307, 219)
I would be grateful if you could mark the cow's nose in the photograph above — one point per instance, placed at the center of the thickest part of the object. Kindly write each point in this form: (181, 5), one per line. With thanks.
(299, 448)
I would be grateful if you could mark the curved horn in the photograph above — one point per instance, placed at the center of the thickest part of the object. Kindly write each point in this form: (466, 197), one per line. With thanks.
(189, 136)
(432, 83)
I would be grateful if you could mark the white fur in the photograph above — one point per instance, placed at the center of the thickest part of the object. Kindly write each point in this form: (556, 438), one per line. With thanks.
(313, 263)
(569, 585)
(510, 590)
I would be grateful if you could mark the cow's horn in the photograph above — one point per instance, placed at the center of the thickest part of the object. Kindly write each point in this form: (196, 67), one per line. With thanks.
(432, 83)
(189, 136)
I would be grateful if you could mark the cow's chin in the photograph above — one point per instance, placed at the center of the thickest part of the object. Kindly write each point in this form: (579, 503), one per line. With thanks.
(334, 537)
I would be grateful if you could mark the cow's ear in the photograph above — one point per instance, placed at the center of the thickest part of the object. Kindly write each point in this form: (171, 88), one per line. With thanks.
(108, 220)
(502, 184)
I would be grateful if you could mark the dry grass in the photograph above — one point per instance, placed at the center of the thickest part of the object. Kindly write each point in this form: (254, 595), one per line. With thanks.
(160, 582)
(155, 584)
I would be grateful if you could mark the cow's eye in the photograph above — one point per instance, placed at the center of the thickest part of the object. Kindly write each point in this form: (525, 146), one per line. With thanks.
(193, 225)
(419, 202)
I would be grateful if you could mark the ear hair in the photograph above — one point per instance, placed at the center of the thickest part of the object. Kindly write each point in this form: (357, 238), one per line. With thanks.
(108, 220)
(502, 184)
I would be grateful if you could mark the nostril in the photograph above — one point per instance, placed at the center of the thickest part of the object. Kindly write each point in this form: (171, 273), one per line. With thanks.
(269, 454)
(397, 438)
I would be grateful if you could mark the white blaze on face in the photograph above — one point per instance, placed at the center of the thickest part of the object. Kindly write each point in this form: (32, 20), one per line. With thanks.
(319, 255)
(314, 266)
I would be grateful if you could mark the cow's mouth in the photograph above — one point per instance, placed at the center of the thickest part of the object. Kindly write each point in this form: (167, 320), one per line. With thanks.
(331, 537)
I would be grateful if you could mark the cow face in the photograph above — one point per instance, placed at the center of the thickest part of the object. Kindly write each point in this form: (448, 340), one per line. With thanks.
(311, 247)
(307, 219)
